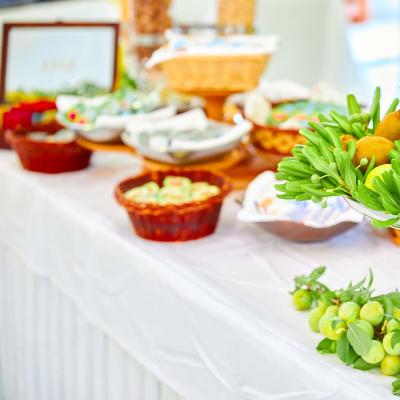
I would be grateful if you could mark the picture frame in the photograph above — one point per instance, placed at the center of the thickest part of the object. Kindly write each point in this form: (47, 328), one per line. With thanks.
(47, 56)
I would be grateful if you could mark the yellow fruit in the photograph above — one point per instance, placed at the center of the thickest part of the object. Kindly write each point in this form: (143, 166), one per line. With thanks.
(390, 365)
(387, 345)
(376, 146)
(389, 127)
(376, 172)
(375, 354)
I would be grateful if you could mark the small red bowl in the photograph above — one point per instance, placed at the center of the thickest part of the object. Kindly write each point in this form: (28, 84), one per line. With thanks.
(173, 223)
(50, 158)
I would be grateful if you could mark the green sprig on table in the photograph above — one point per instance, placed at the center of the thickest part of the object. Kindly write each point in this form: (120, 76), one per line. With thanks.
(361, 329)
(324, 166)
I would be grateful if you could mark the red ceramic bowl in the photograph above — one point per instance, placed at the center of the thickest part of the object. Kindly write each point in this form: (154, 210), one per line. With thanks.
(50, 158)
(174, 223)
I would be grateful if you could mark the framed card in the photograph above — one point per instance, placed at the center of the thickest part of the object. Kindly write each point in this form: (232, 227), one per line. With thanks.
(49, 57)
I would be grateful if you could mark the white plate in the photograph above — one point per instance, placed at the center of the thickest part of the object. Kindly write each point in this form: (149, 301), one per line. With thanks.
(186, 151)
(307, 213)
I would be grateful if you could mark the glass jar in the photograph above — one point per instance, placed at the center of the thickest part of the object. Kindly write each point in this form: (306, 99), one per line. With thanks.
(151, 16)
(236, 15)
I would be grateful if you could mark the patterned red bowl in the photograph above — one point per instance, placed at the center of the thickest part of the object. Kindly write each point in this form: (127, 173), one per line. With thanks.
(173, 223)
(50, 158)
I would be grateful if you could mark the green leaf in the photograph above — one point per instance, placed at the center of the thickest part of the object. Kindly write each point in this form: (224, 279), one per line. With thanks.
(363, 365)
(393, 296)
(326, 346)
(317, 273)
(345, 351)
(396, 387)
(395, 339)
(359, 339)
(388, 307)
(384, 224)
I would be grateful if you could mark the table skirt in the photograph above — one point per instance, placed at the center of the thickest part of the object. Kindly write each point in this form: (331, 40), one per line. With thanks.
(49, 352)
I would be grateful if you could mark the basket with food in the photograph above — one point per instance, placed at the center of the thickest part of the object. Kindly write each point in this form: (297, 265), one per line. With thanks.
(355, 155)
(42, 144)
(173, 205)
(49, 149)
(193, 64)
(278, 110)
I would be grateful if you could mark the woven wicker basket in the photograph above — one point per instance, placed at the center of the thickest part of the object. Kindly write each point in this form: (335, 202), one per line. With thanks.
(208, 74)
(275, 140)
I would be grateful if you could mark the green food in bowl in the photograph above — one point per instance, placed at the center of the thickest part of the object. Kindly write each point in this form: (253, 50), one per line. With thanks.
(299, 113)
(175, 190)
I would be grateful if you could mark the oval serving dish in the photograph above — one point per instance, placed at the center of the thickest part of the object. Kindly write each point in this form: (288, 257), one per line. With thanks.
(300, 221)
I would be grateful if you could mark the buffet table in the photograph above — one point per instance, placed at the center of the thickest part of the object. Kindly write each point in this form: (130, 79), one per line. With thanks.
(90, 311)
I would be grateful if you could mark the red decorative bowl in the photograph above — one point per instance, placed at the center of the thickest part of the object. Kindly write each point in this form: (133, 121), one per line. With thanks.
(50, 158)
(173, 223)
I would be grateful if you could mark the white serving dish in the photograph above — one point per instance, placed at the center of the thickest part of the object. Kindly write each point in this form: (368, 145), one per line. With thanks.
(106, 128)
(181, 151)
(302, 221)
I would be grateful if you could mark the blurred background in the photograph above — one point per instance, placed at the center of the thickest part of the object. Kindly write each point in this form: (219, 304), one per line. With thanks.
(353, 45)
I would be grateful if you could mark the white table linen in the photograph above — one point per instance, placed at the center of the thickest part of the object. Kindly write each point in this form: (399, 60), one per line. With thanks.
(210, 318)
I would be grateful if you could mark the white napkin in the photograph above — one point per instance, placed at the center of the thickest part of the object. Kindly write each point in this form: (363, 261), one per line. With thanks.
(184, 46)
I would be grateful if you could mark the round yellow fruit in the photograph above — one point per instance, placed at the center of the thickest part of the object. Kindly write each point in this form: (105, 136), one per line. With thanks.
(390, 365)
(376, 172)
(375, 354)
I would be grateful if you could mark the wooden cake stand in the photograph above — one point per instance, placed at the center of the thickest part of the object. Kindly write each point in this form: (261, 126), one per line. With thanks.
(104, 147)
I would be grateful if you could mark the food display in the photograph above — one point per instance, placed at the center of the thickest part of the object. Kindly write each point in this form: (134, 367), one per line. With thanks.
(354, 155)
(173, 205)
(297, 114)
(362, 329)
(303, 221)
(102, 119)
(185, 139)
(174, 190)
(279, 109)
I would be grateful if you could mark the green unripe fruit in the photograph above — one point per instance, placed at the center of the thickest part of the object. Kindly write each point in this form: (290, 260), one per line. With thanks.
(392, 325)
(332, 327)
(349, 311)
(366, 326)
(396, 313)
(375, 354)
(372, 312)
(302, 299)
(387, 345)
(390, 365)
(315, 317)
(315, 178)
(332, 310)
(322, 304)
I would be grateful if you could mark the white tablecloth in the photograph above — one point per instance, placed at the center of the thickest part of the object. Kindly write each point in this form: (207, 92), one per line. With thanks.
(210, 318)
